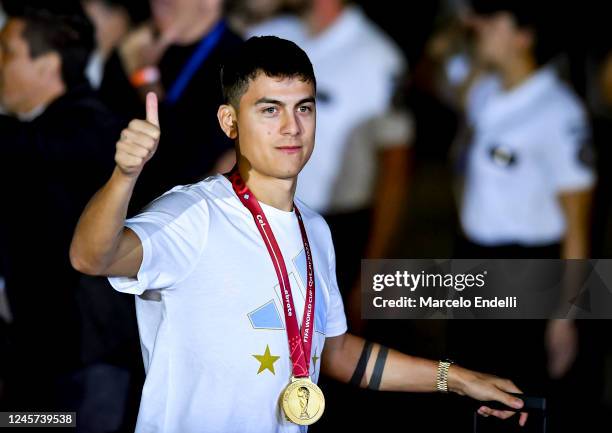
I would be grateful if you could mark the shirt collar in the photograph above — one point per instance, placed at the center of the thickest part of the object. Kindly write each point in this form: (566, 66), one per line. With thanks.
(519, 98)
(32, 114)
(529, 89)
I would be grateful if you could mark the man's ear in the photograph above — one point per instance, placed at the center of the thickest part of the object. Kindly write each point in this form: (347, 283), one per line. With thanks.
(228, 120)
(49, 66)
(527, 40)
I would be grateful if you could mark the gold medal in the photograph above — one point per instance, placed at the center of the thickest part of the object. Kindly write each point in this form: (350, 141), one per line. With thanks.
(302, 401)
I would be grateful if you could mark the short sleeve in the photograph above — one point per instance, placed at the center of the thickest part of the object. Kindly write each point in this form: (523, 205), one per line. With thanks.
(570, 154)
(336, 317)
(173, 231)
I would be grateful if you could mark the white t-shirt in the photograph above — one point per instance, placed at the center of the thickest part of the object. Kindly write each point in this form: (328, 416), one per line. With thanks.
(210, 318)
(529, 144)
(356, 66)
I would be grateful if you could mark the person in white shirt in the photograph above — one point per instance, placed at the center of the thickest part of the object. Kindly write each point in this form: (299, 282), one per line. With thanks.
(207, 279)
(528, 178)
(529, 168)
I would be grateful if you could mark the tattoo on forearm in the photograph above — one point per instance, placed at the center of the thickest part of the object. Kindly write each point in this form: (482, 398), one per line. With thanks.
(378, 368)
(361, 364)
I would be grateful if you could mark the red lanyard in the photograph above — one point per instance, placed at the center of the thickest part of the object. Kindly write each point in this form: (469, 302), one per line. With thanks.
(300, 343)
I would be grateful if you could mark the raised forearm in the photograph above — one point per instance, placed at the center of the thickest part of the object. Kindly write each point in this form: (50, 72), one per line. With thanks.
(98, 232)
(100, 245)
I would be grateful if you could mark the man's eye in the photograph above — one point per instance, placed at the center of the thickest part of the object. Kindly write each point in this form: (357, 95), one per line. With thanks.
(305, 109)
(269, 110)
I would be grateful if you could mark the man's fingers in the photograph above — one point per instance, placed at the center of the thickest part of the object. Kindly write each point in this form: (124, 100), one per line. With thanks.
(509, 400)
(138, 141)
(145, 127)
(152, 114)
(523, 419)
(127, 161)
(502, 414)
(139, 138)
(483, 411)
(505, 386)
(132, 149)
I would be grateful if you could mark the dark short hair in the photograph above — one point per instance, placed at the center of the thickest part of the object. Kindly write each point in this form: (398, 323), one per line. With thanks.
(70, 35)
(269, 55)
(534, 16)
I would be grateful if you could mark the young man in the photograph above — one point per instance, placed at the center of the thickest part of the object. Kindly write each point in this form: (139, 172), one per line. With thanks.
(209, 274)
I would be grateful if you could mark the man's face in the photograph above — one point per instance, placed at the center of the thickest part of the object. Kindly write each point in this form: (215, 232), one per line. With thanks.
(276, 125)
(499, 39)
(20, 75)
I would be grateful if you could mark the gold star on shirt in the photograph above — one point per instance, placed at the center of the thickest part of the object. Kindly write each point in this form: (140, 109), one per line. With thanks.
(266, 361)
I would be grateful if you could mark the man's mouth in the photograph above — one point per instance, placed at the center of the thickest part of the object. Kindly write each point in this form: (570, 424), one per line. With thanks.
(289, 149)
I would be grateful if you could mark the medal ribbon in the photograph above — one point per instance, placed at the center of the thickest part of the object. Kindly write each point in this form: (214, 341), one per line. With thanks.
(300, 343)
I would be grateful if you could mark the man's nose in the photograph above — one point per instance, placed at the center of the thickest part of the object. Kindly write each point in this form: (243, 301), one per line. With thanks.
(291, 124)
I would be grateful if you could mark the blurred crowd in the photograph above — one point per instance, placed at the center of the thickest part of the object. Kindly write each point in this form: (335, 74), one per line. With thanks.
(453, 129)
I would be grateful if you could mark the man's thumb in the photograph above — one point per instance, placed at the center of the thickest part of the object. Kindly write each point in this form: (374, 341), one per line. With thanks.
(152, 116)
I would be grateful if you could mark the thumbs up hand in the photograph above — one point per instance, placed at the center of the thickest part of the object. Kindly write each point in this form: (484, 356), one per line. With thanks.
(138, 141)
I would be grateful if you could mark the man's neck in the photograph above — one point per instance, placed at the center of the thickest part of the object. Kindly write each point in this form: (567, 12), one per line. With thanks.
(200, 28)
(43, 99)
(322, 15)
(518, 71)
(272, 191)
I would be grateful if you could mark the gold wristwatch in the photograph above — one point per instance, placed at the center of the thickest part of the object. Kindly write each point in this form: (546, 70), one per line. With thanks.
(442, 378)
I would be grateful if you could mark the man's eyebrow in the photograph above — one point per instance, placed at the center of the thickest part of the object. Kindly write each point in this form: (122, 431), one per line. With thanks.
(310, 99)
(265, 100)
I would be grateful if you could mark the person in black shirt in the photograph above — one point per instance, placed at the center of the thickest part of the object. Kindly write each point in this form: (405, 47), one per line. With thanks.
(56, 147)
(177, 55)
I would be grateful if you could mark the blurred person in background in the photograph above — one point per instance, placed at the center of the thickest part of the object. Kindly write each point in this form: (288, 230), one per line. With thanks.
(112, 19)
(65, 330)
(357, 176)
(536, 203)
(244, 14)
(528, 179)
(177, 54)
